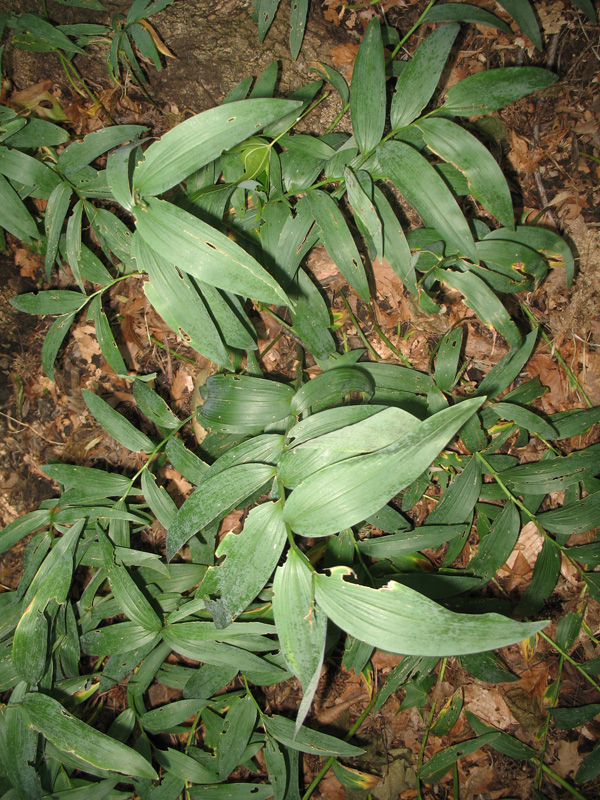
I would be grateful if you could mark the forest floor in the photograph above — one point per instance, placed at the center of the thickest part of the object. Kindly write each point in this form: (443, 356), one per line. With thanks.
(551, 150)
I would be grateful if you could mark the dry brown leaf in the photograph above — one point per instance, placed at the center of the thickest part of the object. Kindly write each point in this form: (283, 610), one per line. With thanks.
(489, 705)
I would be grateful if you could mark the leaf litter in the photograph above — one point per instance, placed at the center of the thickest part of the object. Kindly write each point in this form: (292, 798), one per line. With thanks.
(542, 142)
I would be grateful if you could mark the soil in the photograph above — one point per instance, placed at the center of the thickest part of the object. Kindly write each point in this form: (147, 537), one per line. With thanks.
(549, 145)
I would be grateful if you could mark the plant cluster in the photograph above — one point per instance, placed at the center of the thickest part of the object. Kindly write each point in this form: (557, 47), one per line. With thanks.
(220, 214)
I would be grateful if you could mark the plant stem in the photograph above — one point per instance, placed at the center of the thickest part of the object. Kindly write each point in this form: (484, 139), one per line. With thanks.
(355, 322)
(155, 341)
(68, 65)
(555, 777)
(325, 768)
(385, 339)
(544, 737)
(573, 381)
(428, 728)
(571, 661)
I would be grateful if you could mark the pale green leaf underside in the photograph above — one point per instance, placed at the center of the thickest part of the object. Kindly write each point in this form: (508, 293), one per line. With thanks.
(400, 620)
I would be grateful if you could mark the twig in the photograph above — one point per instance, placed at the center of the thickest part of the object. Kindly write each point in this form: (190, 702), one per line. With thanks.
(31, 428)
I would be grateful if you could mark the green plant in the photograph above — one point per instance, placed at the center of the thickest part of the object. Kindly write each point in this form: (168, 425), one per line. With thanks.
(520, 10)
(128, 38)
(320, 459)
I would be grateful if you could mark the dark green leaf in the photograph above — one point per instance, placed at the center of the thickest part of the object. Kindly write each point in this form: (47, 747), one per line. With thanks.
(492, 89)
(251, 557)
(465, 12)
(204, 252)
(338, 240)
(301, 626)
(460, 148)
(201, 139)
(69, 734)
(367, 91)
(420, 76)
(426, 191)
(116, 425)
(217, 497)
(307, 740)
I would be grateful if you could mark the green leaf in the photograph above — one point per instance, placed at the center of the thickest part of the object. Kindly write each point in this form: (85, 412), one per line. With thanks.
(545, 575)
(204, 252)
(14, 216)
(365, 436)
(567, 718)
(401, 620)
(487, 667)
(460, 148)
(256, 669)
(554, 475)
(233, 791)
(465, 12)
(345, 493)
(265, 10)
(590, 766)
(24, 169)
(573, 518)
(367, 91)
(588, 9)
(493, 551)
(338, 240)
(237, 730)
(364, 210)
(176, 299)
(492, 89)
(483, 301)
(523, 14)
(447, 359)
(525, 418)
(217, 497)
(301, 626)
(79, 154)
(440, 763)
(184, 766)
(307, 740)
(251, 557)
(56, 211)
(37, 133)
(50, 37)
(191, 467)
(23, 526)
(170, 715)
(73, 242)
(53, 301)
(30, 644)
(131, 600)
(329, 388)
(549, 244)
(88, 479)
(244, 404)
(335, 79)
(426, 191)
(118, 638)
(116, 425)
(69, 734)
(298, 15)
(403, 542)
(53, 340)
(508, 368)
(276, 768)
(106, 339)
(395, 247)
(420, 76)
(201, 139)
(458, 500)
(154, 407)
